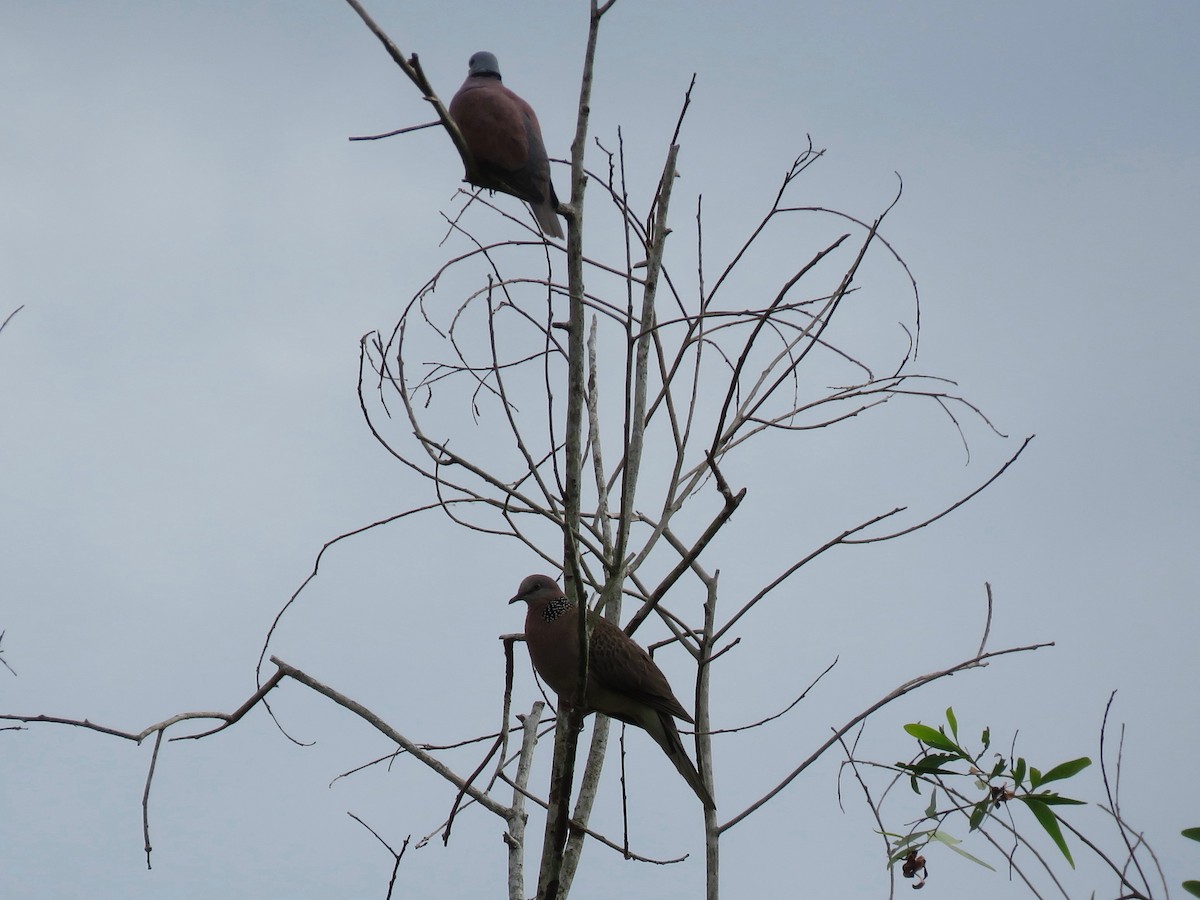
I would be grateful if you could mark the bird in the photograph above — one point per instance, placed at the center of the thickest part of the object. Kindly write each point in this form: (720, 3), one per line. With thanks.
(623, 681)
(504, 136)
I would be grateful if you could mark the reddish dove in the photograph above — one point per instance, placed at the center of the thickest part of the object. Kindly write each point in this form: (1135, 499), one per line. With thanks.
(623, 681)
(504, 136)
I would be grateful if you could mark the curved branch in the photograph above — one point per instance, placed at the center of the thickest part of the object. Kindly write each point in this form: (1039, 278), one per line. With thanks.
(910, 685)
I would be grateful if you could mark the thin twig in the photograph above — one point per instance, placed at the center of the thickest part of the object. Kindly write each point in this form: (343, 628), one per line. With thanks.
(9, 317)
(910, 685)
(594, 835)
(388, 134)
(783, 712)
(395, 856)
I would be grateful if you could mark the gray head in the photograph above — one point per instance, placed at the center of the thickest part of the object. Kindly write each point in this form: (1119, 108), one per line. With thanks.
(537, 588)
(485, 64)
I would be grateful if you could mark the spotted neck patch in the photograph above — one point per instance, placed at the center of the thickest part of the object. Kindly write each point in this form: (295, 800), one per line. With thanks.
(556, 608)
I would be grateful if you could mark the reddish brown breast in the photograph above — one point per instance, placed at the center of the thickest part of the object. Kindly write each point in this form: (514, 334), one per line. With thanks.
(492, 121)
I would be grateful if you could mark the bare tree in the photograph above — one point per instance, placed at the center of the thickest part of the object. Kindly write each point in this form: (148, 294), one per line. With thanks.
(590, 409)
(612, 400)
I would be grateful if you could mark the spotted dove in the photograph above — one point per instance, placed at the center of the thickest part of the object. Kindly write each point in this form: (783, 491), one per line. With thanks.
(623, 681)
(503, 134)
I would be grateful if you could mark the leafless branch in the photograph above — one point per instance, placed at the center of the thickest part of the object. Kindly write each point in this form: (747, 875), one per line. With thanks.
(783, 712)
(412, 68)
(394, 133)
(594, 835)
(906, 687)
(515, 835)
(871, 804)
(9, 317)
(395, 856)
(396, 737)
(2, 659)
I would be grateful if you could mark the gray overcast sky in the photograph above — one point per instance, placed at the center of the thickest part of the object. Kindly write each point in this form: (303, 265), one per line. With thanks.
(198, 250)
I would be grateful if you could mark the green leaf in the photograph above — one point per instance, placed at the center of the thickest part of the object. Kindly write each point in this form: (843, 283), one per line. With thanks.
(1019, 771)
(1048, 821)
(998, 768)
(1035, 777)
(1193, 833)
(931, 809)
(953, 721)
(1066, 770)
(933, 738)
(1192, 887)
(978, 813)
(902, 841)
(901, 845)
(915, 769)
(1051, 799)
(986, 738)
(931, 764)
(953, 843)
